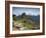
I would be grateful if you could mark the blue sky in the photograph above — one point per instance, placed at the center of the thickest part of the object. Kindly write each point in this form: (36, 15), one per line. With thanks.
(29, 11)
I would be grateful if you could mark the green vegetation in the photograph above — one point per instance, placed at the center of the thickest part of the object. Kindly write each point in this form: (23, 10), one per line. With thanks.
(24, 22)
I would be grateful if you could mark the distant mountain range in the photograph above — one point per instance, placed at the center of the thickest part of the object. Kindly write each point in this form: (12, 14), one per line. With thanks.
(33, 18)
(36, 18)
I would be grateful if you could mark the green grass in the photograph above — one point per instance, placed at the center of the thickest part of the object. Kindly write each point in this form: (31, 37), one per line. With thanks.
(25, 24)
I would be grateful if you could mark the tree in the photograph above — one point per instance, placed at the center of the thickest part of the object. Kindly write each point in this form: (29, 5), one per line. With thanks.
(14, 17)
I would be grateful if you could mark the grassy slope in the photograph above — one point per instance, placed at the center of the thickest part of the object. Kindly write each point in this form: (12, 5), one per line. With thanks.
(25, 24)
